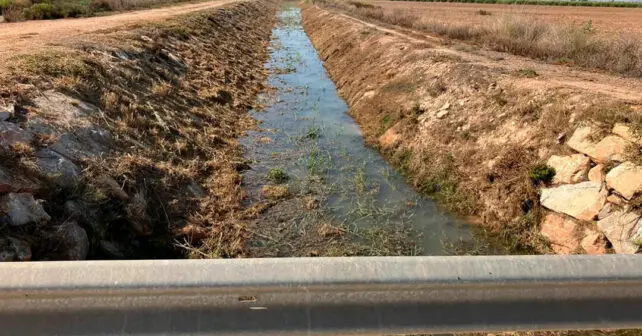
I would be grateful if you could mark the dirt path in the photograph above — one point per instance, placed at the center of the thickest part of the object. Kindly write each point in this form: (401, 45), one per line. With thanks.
(549, 75)
(20, 37)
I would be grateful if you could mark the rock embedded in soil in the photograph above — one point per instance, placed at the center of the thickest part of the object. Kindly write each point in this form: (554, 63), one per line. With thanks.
(57, 168)
(112, 249)
(112, 187)
(84, 143)
(11, 134)
(561, 233)
(625, 179)
(596, 174)
(569, 169)
(69, 112)
(621, 227)
(615, 199)
(12, 249)
(20, 209)
(593, 242)
(442, 114)
(611, 148)
(6, 184)
(74, 241)
(625, 132)
(11, 182)
(6, 112)
(582, 201)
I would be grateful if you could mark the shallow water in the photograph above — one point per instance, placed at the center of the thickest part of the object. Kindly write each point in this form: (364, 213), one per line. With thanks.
(305, 132)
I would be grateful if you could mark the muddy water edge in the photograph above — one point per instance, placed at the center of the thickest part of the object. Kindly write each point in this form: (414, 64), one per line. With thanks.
(314, 187)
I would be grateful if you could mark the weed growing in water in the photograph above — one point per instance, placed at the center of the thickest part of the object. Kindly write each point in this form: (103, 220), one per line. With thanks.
(313, 133)
(317, 161)
(277, 175)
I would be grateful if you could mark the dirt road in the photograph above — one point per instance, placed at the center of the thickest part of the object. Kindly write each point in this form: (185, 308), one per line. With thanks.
(20, 37)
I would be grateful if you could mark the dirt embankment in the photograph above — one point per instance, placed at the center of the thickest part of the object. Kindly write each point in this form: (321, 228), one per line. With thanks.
(504, 145)
(122, 144)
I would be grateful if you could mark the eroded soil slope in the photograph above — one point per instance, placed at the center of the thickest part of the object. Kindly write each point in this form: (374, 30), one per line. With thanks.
(492, 135)
(128, 139)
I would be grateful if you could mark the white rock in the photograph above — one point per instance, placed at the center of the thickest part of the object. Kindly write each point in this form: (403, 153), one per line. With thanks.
(560, 231)
(569, 169)
(611, 148)
(596, 174)
(626, 179)
(593, 242)
(442, 114)
(626, 133)
(620, 228)
(582, 201)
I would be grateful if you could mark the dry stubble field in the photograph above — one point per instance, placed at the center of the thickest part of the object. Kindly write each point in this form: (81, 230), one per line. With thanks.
(604, 19)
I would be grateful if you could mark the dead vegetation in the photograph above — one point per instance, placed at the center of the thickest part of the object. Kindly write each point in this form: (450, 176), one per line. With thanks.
(570, 44)
(174, 97)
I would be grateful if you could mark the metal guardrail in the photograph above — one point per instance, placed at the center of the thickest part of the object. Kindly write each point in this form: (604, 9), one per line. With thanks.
(386, 295)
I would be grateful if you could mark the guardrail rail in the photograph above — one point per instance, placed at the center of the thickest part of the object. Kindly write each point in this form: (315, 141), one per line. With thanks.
(334, 296)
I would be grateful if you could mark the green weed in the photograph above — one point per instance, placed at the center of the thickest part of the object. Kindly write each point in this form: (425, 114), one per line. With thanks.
(277, 175)
(541, 173)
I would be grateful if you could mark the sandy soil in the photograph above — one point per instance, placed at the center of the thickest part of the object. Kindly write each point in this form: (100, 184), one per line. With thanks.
(604, 19)
(21, 37)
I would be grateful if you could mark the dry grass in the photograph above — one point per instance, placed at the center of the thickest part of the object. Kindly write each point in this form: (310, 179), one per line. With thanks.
(526, 36)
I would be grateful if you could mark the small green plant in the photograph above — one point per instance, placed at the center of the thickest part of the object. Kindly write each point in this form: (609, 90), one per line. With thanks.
(542, 173)
(404, 160)
(313, 133)
(277, 175)
(317, 162)
(417, 110)
(386, 122)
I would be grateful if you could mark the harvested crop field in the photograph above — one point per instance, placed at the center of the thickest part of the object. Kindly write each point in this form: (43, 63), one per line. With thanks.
(604, 20)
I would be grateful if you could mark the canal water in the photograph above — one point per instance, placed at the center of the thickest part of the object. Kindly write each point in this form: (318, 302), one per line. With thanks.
(306, 137)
